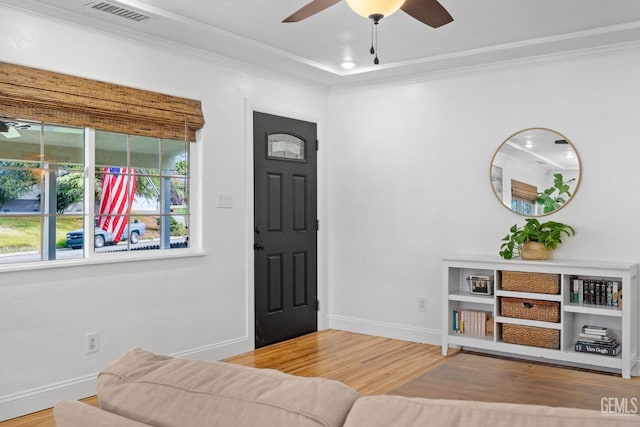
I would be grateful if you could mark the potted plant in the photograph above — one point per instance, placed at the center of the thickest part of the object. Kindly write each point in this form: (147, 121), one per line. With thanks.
(534, 240)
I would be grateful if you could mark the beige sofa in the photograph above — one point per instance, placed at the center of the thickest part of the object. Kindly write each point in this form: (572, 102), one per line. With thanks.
(143, 389)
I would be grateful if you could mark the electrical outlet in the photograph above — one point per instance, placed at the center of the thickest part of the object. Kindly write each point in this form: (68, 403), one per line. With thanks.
(422, 304)
(92, 342)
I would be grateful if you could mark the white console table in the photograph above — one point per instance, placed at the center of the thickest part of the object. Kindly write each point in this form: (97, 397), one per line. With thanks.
(621, 321)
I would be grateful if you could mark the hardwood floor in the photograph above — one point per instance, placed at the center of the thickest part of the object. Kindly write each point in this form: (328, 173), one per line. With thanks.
(42, 418)
(375, 365)
(371, 365)
(498, 379)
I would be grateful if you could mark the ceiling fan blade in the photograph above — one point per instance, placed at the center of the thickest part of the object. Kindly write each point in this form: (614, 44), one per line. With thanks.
(429, 12)
(310, 9)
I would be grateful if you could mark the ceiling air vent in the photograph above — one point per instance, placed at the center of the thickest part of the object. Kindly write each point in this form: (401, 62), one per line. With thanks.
(118, 10)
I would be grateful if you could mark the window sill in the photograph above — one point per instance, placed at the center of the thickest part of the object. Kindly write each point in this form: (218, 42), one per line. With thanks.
(102, 259)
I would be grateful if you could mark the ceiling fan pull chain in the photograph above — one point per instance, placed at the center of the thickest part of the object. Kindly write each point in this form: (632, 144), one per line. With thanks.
(372, 50)
(376, 60)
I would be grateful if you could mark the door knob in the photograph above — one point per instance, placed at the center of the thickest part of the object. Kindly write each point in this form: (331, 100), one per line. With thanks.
(258, 246)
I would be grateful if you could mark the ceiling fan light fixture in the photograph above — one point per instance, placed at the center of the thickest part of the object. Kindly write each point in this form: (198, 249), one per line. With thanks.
(9, 129)
(348, 65)
(429, 12)
(367, 8)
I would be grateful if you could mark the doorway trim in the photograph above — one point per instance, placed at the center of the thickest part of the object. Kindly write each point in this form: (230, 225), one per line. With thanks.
(252, 105)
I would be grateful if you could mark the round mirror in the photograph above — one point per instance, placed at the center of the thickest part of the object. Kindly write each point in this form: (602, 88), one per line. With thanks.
(535, 172)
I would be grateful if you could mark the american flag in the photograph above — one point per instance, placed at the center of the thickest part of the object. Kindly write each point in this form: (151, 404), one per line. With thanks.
(118, 189)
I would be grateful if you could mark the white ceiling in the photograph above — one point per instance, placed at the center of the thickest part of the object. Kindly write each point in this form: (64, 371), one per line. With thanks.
(542, 147)
(251, 31)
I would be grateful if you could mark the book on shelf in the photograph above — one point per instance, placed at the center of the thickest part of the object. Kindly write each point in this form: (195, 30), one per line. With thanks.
(595, 292)
(580, 284)
(470, 322)
(600, 337)
(595, 330)
(596, 340)
(575, 291)
(604, 350)
(596, 337)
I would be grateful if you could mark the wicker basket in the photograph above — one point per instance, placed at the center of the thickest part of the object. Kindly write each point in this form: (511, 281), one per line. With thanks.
(541, 283)
(530, 335)
(545, 311)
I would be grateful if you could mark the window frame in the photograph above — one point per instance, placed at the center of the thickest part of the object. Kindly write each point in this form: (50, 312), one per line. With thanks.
(89, 256)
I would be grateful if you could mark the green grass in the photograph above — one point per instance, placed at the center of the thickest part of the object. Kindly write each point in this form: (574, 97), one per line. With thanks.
(24, 234)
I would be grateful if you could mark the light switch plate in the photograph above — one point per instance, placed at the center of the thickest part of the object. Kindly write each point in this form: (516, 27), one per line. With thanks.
(225, 200)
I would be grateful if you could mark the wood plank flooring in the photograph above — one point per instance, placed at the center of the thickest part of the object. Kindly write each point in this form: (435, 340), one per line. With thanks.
(496, 379)
(375, 365)
(42, 418)
(369, 364)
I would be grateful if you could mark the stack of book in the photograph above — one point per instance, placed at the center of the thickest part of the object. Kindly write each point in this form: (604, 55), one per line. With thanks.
(596, 292)
(472, 322)
(597, 340)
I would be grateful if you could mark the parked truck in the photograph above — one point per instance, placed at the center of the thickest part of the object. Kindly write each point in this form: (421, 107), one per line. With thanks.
(75, 238)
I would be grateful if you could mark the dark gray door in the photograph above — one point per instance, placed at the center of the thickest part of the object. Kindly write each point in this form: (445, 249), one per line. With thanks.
(285, 228)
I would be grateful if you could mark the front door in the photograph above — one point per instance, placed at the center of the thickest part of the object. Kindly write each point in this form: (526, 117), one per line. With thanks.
(285, 228)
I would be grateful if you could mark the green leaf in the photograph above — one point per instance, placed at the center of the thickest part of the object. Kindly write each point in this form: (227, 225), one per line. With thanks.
(558, 180)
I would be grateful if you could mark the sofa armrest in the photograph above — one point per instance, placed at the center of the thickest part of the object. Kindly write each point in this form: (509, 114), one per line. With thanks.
(71, 413)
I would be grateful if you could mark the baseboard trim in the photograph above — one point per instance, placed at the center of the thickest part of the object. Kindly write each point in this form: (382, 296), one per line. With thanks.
(45, 397)
(216, 351)
(387, 330)
(39, 398)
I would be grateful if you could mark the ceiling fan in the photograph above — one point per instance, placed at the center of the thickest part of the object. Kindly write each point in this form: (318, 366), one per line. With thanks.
(429, 12)
(10, 129)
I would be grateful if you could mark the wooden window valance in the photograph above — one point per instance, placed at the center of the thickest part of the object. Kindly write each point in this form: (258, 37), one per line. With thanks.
(33, 94)
(523, 191)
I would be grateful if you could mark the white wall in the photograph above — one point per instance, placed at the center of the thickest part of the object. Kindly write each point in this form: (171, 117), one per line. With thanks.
(193, 306)
(409, 178)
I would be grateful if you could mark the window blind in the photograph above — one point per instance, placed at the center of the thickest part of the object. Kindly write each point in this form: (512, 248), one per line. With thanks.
(524, 191)
(34, 94)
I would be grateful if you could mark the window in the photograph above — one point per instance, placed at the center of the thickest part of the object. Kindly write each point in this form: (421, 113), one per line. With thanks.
(142, 187)
(41, 189)
(111, 175)
(140, 194)
(284, 146)
(523, 197)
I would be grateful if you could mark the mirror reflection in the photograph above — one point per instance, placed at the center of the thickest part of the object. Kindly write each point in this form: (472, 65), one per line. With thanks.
(535, 172)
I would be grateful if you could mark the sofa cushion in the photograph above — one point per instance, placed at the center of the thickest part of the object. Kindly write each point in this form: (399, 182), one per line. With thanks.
(397, 411)
(71, 413)
(167, 392)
